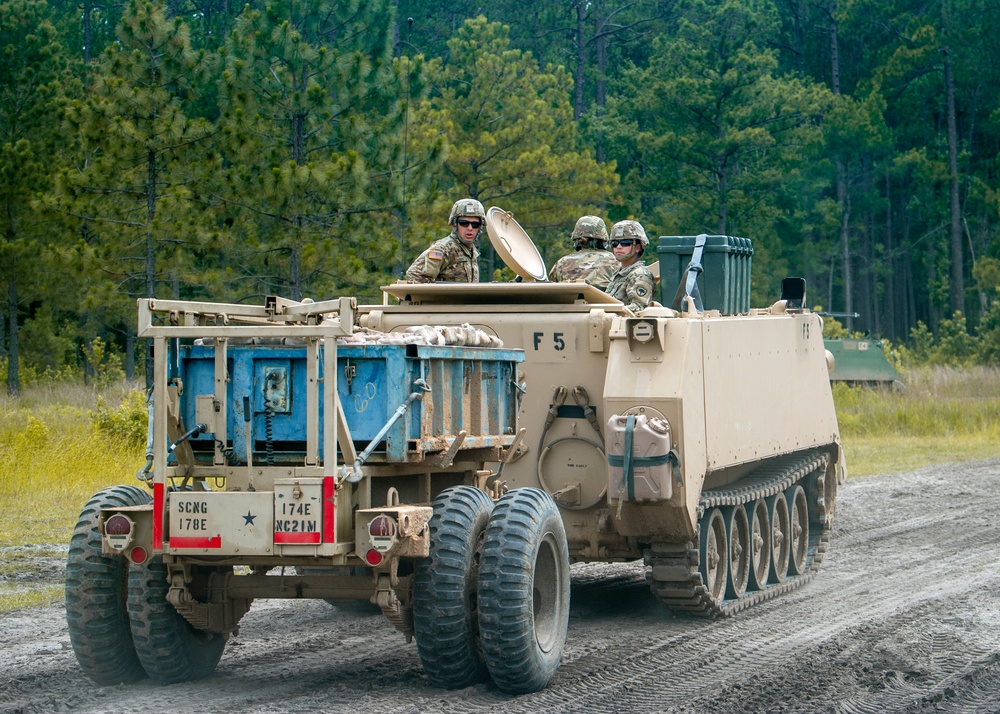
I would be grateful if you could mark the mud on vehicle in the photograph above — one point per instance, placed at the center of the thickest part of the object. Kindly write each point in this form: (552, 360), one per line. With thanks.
(447, 455)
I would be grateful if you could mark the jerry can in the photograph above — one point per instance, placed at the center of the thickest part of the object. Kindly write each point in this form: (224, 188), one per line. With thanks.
(639, 459)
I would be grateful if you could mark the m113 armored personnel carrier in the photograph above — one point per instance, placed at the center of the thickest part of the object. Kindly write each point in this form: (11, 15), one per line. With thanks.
(446, 455)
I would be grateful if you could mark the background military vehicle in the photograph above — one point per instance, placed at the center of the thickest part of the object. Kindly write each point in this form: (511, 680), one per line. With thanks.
(860, 361)
(397, 453)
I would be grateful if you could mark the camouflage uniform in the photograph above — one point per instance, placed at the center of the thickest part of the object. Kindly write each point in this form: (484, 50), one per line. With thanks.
(592, 266)
(447, 260)
(633, 286)
(591, 263)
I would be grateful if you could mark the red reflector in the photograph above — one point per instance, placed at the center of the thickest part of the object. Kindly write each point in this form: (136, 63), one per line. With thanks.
(118, 525)
(138, 555)
(373, 557)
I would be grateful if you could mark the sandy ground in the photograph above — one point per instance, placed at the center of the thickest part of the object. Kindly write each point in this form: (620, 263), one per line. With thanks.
(904, 616)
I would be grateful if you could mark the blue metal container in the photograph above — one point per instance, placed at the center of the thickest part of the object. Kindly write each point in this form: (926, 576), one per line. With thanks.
(471, 389)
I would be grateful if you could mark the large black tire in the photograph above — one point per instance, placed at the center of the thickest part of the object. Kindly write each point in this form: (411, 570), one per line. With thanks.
(169, 648)
(524, 591)
(96, 595)
(445, 595)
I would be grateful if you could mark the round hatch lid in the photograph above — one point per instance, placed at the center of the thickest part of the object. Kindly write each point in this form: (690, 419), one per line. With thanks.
(514, 246)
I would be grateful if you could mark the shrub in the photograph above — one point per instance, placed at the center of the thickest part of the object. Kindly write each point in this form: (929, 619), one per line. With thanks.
(956, 346)
(105, 364)
(989, 336)
(128, 423)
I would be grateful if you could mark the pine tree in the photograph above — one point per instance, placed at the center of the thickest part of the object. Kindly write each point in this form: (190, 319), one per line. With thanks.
(133, 187)
(706, 133)
(313, 114)
(512, 139)
(35, 76)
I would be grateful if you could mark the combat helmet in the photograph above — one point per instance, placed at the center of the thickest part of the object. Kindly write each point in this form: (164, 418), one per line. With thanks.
(467, 207)
(590, 229)
(629, 229)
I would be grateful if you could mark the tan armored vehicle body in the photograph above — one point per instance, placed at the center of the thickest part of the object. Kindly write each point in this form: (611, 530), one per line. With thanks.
(447, 454)
(737, 392)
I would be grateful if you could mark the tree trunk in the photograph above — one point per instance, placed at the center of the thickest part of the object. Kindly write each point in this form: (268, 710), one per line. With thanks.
(844, 201)
(723, 197)
(13, 352)
(957, 268)
(891, 318)
(600, 81)
(150, 245)
(843, 198)
(831, 9)
(87, 38)
(581, 60)
(129, 355)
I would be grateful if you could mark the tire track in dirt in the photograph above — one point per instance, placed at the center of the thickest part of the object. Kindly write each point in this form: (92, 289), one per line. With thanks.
(901, 617)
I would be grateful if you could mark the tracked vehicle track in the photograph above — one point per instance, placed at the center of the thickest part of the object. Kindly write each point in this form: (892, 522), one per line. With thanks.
(675, 571)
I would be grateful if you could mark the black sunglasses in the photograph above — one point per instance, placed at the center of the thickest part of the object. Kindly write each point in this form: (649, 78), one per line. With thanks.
(468, 224)
(627, 243)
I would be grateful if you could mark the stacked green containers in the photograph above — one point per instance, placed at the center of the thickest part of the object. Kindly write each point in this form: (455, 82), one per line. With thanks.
(724, 283)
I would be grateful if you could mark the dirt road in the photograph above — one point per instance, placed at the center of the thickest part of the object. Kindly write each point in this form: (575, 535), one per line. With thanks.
(904, 616)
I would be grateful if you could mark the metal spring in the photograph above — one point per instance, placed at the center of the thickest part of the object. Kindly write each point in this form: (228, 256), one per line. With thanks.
(268, 443)
(231, 458)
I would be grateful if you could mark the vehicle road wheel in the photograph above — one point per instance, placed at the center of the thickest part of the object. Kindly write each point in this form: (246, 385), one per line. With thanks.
(170, 648)
(777, 509)
(714, 563)
(524, 591)
(738, 541)
(799, 534)
(445, 596)
(760, 544)
(97, 595)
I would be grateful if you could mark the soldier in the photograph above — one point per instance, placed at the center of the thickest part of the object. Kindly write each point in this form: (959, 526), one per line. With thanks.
(454, 258)
(632, 283)
(591, 262)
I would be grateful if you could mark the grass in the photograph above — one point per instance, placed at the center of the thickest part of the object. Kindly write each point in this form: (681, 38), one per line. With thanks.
(944, 415)
(53, 458)
(60, 444)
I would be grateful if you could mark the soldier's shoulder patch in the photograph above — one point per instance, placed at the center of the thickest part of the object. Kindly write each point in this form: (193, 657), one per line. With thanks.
(640, 291)
(435, 254)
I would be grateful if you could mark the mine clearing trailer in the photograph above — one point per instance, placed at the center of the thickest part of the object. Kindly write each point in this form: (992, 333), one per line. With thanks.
(326, 450)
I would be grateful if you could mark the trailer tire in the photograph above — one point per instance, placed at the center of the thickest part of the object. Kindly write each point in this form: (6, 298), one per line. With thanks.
(445, 590)
(97, 595)
(170, 649)
(524, 591)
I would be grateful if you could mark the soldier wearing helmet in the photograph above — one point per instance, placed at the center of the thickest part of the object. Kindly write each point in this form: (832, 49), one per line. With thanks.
(591, 262)
(454, 258)
(632, 283)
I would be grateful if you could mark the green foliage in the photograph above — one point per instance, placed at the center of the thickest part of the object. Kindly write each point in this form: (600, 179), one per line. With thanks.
(104, 365)
(314, 114)
(834, 329)
(511, 138)
(922, 341)
(221, 152)
(709, 134)
(131, 194)
(51, 444)
(989, 337)
(955, 345)
(128, 423)
(35, 80)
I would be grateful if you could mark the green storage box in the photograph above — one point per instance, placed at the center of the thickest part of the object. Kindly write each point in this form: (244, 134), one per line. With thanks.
(724, 283)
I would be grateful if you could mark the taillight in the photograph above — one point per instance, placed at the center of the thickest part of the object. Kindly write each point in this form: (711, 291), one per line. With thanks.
(138, 555)
(373, 557)
(118, 525)
(119, 532)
